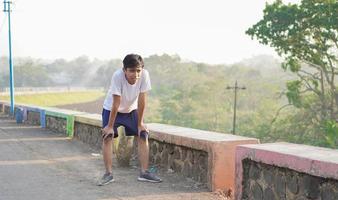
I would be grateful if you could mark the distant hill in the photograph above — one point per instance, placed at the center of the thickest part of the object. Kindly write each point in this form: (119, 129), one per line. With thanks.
(261, 62)
(267, 65)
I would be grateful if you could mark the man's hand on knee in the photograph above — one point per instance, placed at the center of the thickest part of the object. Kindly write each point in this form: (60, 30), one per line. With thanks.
(107, 132)
(142, 128)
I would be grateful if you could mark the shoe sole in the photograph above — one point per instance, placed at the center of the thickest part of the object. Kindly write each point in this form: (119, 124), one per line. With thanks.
(102, 184)
(147, 180)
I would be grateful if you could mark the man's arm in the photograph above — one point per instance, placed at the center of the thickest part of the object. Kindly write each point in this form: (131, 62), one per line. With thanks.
(140, 109)
(109, 128)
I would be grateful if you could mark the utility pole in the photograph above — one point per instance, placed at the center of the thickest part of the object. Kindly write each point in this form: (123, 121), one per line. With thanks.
(7, 8)
(235, 105)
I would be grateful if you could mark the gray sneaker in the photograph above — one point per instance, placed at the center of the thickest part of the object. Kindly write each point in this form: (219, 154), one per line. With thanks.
(149, 177)
(106, 179)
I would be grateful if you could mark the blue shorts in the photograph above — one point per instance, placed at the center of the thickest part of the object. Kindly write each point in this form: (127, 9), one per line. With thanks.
(127, 120)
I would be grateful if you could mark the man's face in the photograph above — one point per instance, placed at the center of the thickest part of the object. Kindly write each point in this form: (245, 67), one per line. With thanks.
(132, 74)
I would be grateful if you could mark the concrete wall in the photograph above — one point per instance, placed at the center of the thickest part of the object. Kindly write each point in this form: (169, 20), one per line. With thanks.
(56, 124)
(89, 134)
(187, 162)
(189, 152)
(33, 118)
(286, 171)
(221, 161)
(262, 181)
(206, 157)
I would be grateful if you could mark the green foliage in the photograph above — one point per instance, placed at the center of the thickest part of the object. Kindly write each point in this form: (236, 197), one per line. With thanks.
(194, 95)
(331, 133)
(291, 64)
(306, 35)
(293, 93)
(299, 30)
(300, 127)
(30, 73)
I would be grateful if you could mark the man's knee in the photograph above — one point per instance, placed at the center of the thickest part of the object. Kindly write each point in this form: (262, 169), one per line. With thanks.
(143, 135)
(142, 140)
(107, 140)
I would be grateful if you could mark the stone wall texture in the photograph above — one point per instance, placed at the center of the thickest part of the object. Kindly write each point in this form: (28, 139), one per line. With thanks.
(33, 118)
(185, 161)
(7, 109)
(188, 162)
(56, 124)
(268, 182)
(169, 157)
(88, 134)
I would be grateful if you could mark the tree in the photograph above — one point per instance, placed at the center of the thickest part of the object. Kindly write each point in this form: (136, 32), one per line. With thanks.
(306, 36)
(30, 73)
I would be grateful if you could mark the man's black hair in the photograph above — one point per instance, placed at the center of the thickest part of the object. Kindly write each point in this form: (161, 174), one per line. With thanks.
(132, 60)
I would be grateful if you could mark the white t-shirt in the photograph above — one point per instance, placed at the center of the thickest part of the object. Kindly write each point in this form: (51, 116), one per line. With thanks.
(129, 93)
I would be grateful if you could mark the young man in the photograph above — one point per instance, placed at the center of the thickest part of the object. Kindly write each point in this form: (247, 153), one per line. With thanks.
(124, 106)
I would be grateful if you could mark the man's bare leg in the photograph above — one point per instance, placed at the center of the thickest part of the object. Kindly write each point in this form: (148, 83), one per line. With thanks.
(107, 151)
(143, 152)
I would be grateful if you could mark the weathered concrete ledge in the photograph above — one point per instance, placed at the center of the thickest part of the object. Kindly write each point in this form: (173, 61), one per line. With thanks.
(253, 171)
(87, 128)
(90, 119)
(219, 147)
(60, 120)
(53, 116)
(307, 171)
(30, 114)
(6, 107)
(2, 107)
(207, 157)
(34, 115)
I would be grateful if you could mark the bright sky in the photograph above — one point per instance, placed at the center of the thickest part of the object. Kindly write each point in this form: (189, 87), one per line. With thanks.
(211, 31)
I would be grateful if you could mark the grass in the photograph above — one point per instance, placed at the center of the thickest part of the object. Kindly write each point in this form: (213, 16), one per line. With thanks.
(56, 99)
